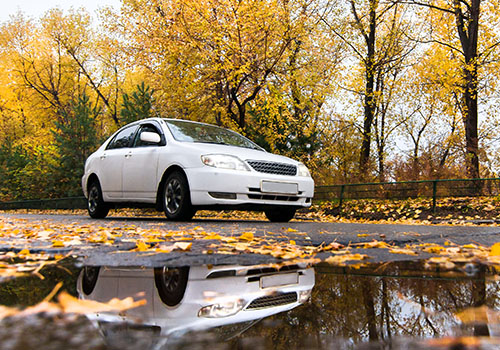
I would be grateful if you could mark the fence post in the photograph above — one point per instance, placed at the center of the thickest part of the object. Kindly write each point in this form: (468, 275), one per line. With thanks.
(342, 188)
(434, 193)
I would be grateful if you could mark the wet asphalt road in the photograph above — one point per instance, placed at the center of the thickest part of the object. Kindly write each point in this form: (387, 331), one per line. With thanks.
(307, 233)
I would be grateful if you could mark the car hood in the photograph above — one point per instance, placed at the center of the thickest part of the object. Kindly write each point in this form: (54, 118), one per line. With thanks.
(240, 152)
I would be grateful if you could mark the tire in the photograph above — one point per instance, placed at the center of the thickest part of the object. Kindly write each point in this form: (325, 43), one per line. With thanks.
(281, 214)
(171, 283)
(176, 198)
(90, 274)
(96, 206)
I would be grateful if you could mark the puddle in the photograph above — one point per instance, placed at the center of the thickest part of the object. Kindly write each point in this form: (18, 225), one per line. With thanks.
(390, 306)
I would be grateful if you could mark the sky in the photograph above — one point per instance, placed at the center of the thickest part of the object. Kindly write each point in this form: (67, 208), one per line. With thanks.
(36, 8)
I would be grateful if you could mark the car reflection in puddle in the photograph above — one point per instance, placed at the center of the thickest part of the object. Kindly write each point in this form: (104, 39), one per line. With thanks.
(183, 299)
(404, 305)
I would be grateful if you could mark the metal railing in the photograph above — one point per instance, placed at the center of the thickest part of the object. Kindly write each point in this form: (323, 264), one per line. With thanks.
(443, 188)
(57, 203)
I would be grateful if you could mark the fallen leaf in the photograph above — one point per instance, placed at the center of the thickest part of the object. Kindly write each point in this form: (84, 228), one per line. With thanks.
(402, 251)
(246, 236)
(73, 305)
(495, 249)
(183, 245)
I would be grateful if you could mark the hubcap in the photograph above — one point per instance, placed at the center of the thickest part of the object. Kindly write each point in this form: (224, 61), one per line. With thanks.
(173, 196)
(93, 198)
(171, 279)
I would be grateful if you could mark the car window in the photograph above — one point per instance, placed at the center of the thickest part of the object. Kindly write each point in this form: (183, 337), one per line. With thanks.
(197, 132)
(123, 138)
(148, 128)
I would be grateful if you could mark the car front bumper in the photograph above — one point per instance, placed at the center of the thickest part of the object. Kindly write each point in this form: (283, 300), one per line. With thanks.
(212, 186)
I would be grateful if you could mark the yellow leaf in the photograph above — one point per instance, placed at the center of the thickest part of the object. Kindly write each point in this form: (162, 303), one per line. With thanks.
(402, 251)
(341, 259)
(24, 252)
(376, 244)
(183, 245)
(213, 236)
(141, 246)
(495, 249)
(7, 311)
(57, 244)
(474, 315)
(363, 234)
(470, 246)
(292, 242)
(291, 230)
(247, 236)
(71, 304)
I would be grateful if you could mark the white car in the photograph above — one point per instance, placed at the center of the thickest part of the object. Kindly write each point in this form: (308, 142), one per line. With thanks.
(183, 299)
(181, 166)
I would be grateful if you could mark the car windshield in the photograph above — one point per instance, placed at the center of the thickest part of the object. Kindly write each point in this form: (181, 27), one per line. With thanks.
(185, 131)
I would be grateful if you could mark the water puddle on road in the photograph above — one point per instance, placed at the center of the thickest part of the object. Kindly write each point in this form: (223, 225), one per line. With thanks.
(389, 306)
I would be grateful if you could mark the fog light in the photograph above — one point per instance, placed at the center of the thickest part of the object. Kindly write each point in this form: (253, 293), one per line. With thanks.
(304, 295)
(222, 195)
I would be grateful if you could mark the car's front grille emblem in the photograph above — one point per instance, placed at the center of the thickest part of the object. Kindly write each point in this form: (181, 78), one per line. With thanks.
(273, 168)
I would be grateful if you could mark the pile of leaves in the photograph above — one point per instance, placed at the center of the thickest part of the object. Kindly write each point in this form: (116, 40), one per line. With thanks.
(36, 244)
(469, 210)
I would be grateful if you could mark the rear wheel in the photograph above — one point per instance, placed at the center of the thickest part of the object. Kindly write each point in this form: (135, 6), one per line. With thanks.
(176, 198)
(96, 206)
(171, 284)
(281, 214)
(90, 275)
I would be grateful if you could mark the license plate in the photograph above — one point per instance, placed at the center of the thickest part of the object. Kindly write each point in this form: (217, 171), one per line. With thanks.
(279, 280)
(279, 187)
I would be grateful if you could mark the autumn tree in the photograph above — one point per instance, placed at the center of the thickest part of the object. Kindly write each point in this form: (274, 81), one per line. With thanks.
(213, 58)
(376, 35)
(467, 33)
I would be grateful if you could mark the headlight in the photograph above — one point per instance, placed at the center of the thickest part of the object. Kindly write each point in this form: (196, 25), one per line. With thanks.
(303, 171)
(224, 161)
(225, 309)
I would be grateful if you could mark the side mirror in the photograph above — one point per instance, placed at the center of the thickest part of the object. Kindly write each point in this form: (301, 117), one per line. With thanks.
(150, 137)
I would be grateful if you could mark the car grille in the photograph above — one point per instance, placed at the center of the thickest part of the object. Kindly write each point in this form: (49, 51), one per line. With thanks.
(271, 197)
(273, 300)
(273, 168)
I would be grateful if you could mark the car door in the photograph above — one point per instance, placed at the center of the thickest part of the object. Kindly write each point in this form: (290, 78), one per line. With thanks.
(140, 168)
(111, 163)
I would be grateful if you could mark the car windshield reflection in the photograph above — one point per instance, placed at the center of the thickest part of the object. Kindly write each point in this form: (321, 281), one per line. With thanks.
(186, 131)
(183, 299)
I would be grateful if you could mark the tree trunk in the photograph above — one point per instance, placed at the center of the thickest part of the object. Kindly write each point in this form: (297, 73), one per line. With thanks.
(369, 99)
(467, 26)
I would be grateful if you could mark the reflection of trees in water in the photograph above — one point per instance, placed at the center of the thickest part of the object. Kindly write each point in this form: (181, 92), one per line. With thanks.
(362, 308)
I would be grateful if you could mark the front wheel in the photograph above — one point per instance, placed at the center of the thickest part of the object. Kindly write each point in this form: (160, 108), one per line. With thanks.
(171, 283)
(96, 206)
(176, 198)
(281, 214)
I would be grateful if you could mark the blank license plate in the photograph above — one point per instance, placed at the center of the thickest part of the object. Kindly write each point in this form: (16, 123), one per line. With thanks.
(279, 187)
(279, 280)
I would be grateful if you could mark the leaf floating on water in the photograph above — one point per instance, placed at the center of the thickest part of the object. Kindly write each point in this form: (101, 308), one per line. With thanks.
(342, 259)
(480, 314)
(495, 249)
(403, 251)
(71, 304)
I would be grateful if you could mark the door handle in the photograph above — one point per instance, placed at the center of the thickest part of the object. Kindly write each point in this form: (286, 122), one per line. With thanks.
(103, 157)
(128, 155)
